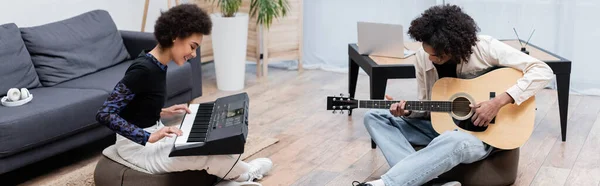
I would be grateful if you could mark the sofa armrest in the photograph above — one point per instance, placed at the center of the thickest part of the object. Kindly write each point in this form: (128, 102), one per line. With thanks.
(136, 41)
(196, 74)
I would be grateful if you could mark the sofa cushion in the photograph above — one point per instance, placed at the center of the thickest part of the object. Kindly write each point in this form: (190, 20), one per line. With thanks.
(104, 80)
(178, 79)
(74, 47)
(17, 69)
(52, 114)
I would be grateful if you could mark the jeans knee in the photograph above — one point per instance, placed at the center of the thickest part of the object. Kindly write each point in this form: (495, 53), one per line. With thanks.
(370, 116)
(460, 138)
(470, 147)
(377, 116)
(373, 112)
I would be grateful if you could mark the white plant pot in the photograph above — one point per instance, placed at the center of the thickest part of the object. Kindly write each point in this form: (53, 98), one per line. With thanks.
(229, 38)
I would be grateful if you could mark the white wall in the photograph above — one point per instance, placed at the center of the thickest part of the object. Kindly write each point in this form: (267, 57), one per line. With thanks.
(330, 25)
(127, 14)
(568, 28)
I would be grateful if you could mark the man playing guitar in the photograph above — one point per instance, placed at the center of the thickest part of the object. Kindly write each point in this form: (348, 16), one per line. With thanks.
(451, 48)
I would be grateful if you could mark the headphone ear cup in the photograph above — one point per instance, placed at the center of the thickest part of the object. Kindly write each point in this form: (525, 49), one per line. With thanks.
(24, 93)
(13, 94)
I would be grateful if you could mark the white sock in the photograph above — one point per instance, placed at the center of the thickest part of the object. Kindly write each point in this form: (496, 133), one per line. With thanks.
(377, 183)
(242, 178)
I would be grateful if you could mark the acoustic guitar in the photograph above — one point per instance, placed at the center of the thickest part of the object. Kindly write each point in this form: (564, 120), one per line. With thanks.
(449, 107)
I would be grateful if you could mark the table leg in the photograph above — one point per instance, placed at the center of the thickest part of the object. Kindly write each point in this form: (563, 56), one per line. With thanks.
(378, 85)
(352, 78)
(562, 82)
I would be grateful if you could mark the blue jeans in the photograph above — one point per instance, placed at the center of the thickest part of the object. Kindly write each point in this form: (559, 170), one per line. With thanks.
(396, 135)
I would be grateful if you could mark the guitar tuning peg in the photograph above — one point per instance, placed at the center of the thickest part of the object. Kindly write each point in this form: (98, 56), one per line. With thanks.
(341, 95)
(341, 112)
(333, 112)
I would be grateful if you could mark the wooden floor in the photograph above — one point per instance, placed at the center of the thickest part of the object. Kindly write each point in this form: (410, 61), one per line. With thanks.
(317, 147)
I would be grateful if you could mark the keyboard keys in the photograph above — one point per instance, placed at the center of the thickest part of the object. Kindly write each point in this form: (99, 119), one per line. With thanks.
(200, 127)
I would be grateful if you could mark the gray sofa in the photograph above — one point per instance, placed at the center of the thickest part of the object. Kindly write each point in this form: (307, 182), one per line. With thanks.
(70, 67)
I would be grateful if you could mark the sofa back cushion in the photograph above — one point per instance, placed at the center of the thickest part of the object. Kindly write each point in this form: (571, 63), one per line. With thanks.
(74, 47)
(16, 68)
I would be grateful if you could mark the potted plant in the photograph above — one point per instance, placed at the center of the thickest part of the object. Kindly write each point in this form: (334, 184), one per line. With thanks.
(230, 35)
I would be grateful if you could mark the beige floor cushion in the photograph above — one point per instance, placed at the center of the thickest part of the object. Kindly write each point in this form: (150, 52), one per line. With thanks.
(112, 170)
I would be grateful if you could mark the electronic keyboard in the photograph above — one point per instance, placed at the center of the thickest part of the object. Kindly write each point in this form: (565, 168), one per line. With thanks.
(212, 128)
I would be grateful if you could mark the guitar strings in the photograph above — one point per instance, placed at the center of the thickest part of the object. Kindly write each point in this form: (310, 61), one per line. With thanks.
(456, 106)
(415, 101)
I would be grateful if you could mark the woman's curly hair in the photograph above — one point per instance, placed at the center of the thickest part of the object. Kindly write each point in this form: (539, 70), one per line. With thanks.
(447, 30)
(181, 21)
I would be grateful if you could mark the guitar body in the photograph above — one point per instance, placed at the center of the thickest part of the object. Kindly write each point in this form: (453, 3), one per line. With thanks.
(513, 124)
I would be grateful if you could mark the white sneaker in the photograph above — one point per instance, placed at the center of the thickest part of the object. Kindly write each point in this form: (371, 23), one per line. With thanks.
(259, 168)
(234, 183)
(452, 183)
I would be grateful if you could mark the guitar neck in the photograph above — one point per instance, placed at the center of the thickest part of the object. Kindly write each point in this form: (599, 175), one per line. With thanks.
(432, 106)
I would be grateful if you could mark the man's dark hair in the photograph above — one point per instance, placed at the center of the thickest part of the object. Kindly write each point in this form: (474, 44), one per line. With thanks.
(181, 21)
(447, 29)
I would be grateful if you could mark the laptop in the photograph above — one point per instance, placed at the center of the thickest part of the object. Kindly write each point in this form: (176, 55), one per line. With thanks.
(381, 39)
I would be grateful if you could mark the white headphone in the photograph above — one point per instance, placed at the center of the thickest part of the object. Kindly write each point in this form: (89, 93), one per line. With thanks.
(15, 95)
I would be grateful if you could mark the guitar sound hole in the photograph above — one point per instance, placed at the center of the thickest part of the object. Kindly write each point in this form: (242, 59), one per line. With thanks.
(460, 107)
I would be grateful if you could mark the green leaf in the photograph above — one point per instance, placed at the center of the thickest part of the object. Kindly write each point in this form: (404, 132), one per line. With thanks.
(267, 10)
(228, 7)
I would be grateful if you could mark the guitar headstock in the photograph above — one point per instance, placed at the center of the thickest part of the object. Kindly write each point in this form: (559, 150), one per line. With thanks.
(341, 103)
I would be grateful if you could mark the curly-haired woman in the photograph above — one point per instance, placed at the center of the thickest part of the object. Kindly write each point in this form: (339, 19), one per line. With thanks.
(134, 108)
(451, 48)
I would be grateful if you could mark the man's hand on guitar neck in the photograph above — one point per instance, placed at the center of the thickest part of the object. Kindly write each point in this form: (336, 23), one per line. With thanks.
(397, 109)
(485, 111)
